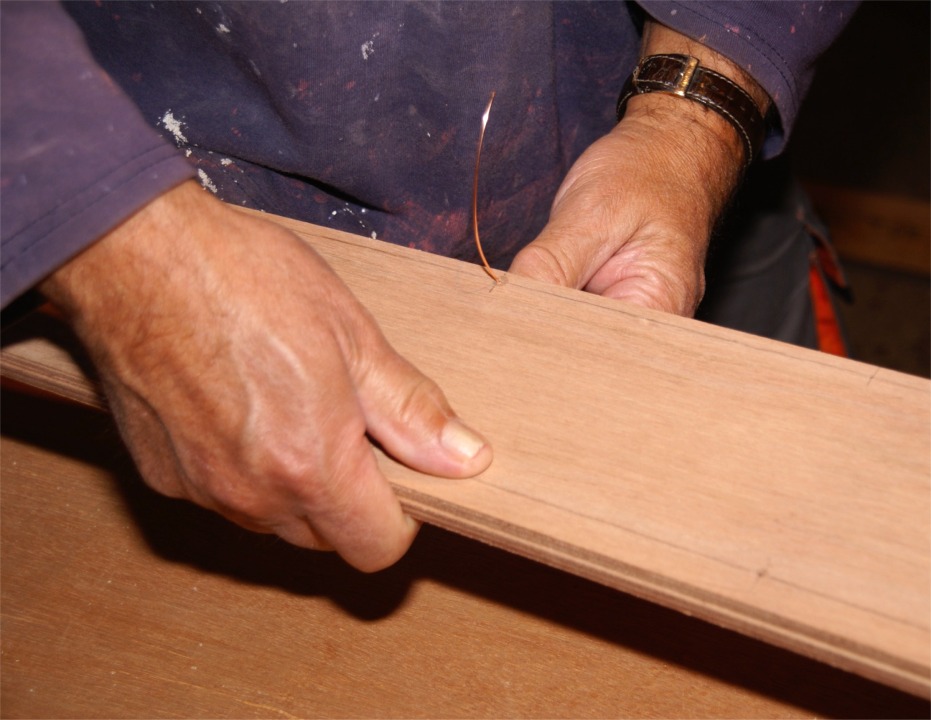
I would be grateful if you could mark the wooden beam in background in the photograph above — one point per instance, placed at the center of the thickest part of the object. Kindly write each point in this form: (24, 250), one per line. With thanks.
(882, 230)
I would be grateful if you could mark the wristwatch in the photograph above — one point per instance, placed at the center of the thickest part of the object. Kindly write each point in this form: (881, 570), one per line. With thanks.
(682, 75)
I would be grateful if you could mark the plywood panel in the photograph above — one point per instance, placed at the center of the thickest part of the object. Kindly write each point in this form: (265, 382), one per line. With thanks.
(776, 491)
(117, 602)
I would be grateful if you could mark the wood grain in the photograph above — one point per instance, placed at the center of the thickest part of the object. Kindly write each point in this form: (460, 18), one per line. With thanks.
(117, 602)
(772, 490)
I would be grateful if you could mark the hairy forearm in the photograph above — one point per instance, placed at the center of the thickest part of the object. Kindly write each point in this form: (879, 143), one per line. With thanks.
(711, 143)
(658, 38)
(633, 218)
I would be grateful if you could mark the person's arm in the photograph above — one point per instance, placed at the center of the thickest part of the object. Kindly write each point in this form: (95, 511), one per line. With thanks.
(778, 44)
(246, 377)
(76, 156)
(633, 218)
(243, 374)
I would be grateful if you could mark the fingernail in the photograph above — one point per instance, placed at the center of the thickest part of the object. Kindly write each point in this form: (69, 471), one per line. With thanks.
(461, 440)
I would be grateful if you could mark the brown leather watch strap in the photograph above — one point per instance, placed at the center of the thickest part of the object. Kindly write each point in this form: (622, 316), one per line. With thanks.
(682, 75)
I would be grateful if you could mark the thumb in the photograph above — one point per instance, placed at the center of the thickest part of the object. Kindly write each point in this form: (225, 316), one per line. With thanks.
(408, 414)
(550, 258)
(572, 246)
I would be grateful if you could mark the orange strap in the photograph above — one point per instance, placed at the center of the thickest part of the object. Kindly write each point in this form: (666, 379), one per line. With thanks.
(827, 324)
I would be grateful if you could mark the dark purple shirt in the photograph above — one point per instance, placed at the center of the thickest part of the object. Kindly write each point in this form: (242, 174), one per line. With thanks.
(359, 116)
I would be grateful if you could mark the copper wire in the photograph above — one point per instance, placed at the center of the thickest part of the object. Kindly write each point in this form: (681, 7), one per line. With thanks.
(478, 157)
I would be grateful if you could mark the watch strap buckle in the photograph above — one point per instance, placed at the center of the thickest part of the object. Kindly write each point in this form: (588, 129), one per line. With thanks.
(685, 77)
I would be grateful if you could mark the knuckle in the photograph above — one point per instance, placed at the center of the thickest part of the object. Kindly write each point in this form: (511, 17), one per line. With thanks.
(423, 401)
(314, 475)
(544, 263)
(663, 292)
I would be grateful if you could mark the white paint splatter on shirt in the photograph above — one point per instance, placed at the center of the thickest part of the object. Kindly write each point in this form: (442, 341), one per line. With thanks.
(173, 125)
(368, 47)
(206, 181)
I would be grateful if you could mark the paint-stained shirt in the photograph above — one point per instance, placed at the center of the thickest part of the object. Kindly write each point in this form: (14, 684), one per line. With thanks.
(358, 116)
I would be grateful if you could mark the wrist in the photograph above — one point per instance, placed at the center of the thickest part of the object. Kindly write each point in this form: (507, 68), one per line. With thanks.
(694, 75)
(116, 279)
(701, 157)
(659, 39)
(684, 77)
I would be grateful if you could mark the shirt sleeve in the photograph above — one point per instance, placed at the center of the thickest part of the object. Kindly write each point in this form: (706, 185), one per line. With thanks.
(76, 156)
(777, 43)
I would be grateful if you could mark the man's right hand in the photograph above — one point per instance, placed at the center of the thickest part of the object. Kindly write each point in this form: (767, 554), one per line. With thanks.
(246, 377)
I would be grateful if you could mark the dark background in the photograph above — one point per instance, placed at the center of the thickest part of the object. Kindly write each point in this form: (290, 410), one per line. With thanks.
(865, 127)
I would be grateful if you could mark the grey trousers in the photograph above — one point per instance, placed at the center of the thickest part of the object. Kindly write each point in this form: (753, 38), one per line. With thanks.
(759, 262)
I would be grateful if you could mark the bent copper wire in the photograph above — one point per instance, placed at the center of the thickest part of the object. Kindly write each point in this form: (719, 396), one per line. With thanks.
(478, 157)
